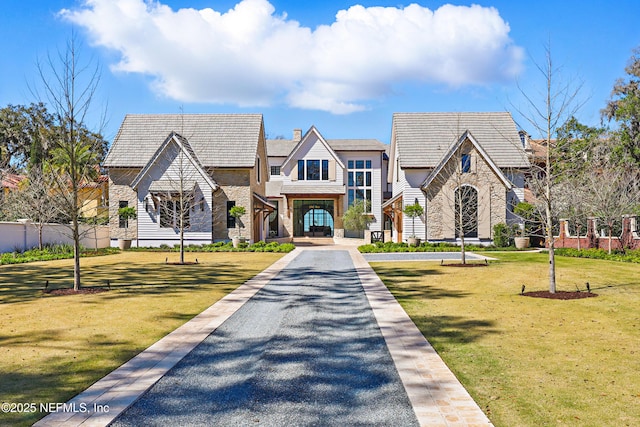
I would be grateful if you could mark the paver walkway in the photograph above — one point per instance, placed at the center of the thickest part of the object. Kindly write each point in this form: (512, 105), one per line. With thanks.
(323, 343)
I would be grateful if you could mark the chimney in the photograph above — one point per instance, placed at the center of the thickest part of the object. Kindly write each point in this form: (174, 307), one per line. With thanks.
(297, 135)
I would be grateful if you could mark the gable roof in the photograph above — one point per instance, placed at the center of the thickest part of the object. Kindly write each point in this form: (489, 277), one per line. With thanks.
(422, 139)
(467, 136)
(303, 141)
(219, 140)
(185, 147)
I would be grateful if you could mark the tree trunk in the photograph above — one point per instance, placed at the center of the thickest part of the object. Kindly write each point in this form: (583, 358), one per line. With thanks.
(610, 239)
(76, 255)
(552, 253)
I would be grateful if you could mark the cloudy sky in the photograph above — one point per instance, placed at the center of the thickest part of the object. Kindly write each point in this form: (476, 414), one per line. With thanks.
(342, 66)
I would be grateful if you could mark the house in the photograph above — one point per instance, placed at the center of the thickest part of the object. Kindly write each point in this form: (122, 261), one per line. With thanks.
(9, 181)
(185, 172)
(314, 180)
(465, 169)
(93, 197)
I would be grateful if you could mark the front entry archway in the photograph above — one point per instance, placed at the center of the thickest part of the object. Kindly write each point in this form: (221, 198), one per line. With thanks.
(313, 218)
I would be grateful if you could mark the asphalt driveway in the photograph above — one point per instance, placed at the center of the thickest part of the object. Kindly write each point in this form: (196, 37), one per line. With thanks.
(305, 350)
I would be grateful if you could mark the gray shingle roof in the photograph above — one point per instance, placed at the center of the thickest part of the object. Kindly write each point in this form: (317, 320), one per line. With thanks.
(356, 145)
(422, 139)
(283, 147)
(313, 189)
(280, 147)
(218, 140)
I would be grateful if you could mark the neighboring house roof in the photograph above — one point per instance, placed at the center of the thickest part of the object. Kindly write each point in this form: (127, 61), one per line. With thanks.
(187, 183)
(422, 139)
(467, 136)
(10, 180)
(219, 140)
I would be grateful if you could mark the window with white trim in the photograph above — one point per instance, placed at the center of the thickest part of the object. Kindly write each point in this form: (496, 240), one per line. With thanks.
(359, 182)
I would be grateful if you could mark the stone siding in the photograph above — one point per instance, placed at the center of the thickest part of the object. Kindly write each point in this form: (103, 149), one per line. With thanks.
(234, 186)
(119, 189)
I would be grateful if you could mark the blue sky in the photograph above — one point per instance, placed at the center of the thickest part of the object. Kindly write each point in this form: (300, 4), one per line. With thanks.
(343, 66)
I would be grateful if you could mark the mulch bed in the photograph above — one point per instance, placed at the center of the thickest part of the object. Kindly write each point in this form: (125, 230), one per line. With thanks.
(70, 291)
(562, 295)
(465, 265)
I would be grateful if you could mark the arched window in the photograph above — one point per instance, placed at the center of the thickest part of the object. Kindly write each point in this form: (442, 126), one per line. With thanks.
(466, 212)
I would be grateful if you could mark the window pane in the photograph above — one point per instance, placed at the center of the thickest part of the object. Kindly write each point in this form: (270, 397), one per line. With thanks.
(325, 170)
(275, 170)
(350, 164)
(359, 178)
(122, 222)
(231, 221)
(351, 197)
(301, 170)
(359, 194)
(466, 163)
(313, 170)
(368, 163)
(351, 180)
(359, 164)
(368, 204)
(368, 179)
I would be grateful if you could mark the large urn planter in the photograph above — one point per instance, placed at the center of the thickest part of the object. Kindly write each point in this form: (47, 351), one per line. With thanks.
(522, 242)
(124, 244)
(414, 241)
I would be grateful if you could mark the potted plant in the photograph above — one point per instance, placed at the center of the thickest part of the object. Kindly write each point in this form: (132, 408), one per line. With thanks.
(413, 211)
(525, 211)
(237, 212)
(126, 213)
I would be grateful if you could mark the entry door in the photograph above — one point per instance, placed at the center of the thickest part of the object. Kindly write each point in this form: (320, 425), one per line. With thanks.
(313, 218)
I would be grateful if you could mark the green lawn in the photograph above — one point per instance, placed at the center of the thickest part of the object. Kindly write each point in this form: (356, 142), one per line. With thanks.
(53, 347)
(530, 361)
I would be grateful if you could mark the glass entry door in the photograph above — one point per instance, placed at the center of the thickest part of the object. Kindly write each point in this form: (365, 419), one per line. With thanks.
(313, 218)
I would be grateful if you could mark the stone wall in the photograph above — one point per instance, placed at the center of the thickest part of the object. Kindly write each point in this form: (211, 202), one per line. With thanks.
(235, 185)
(119, 189)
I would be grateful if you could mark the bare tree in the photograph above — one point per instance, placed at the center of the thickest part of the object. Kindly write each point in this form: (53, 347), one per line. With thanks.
(177, 193)
(69, 89)
(464, 188)
(34, 200)
(613, 189)
(547, 113)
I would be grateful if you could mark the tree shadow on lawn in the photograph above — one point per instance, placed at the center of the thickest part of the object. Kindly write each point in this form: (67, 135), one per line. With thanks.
(454, 329)
(62, 378)
(21, 283)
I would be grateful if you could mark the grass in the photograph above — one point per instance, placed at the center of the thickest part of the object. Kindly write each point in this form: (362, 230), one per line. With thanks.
(53, 347)
(530, 361)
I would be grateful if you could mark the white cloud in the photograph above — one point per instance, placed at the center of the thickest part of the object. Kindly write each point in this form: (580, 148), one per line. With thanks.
(251, 56)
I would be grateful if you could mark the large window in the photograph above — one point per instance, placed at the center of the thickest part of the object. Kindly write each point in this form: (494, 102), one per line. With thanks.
(466, 211)
(174, 213)
(231, 221)
(360, 182)
(123, 222)
(313, 170)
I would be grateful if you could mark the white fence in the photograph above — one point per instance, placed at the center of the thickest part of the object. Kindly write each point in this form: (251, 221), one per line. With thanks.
(24, 235)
